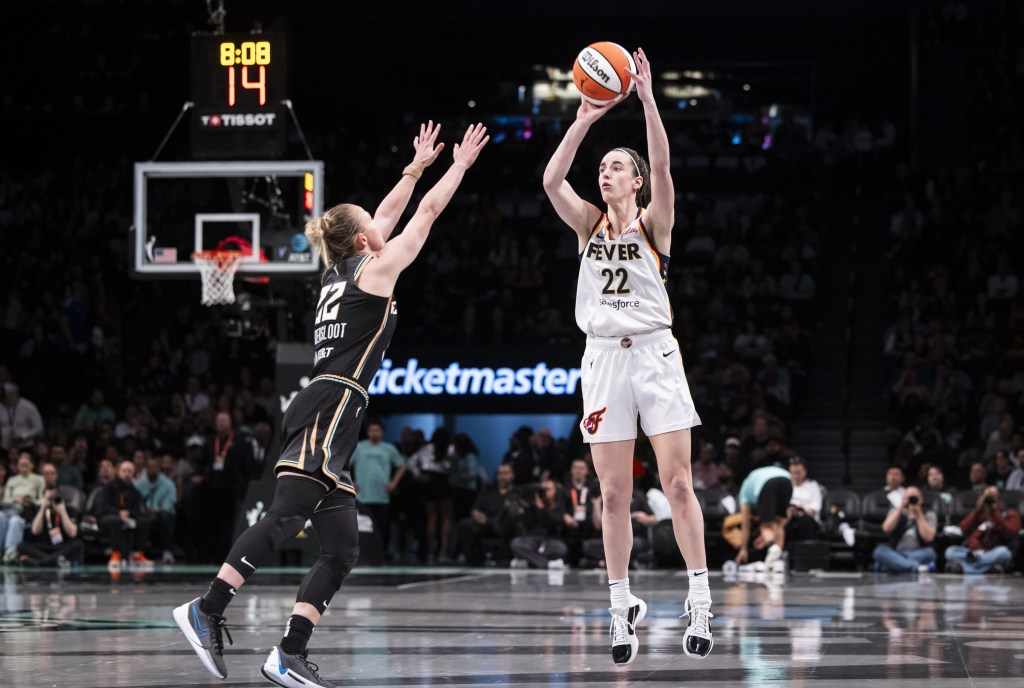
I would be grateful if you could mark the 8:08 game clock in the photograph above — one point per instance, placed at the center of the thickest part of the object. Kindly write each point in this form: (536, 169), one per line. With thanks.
(238, 83)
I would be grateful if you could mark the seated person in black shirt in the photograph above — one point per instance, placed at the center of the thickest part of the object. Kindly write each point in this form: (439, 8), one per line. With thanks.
(580, 495)
(118, 512)
(493, 517)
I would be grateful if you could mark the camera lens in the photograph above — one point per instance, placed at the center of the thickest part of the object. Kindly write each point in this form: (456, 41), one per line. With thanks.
(990, 500)
(913, 500)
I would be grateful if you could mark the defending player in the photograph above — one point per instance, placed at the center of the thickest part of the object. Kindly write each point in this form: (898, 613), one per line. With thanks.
(632, 363)
(355, 318)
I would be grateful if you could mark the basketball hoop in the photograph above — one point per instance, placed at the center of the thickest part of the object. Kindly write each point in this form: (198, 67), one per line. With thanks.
(217, 269)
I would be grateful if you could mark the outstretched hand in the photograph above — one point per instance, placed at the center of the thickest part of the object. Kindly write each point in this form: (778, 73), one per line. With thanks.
(642, 77)
(472, 143)
(426, 151)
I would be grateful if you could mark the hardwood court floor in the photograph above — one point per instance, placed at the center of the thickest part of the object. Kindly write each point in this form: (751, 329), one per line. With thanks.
(486, 627)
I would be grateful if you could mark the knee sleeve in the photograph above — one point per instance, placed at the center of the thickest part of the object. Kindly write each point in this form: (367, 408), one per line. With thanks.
(294, 502)
(335, 521)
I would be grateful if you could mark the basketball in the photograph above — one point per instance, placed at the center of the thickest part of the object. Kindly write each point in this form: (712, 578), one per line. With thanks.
(602, 73)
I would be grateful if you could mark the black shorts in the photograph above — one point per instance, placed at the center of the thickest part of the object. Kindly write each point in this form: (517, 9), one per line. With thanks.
(773, 501)
(320, 431)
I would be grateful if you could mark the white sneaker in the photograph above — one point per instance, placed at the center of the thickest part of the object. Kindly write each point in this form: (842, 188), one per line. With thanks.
(848, 533)
(623, 631)
(556, 564)
(774, 554)
(697, 640)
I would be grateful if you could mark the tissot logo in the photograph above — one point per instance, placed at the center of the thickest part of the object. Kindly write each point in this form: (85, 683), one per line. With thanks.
(251, 119)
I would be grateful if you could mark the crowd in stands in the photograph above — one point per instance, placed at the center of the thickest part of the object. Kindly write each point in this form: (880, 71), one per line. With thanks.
(955, 350)
(133, 404)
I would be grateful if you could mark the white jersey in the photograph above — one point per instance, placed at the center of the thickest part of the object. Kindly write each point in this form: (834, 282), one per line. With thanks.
(621, 286)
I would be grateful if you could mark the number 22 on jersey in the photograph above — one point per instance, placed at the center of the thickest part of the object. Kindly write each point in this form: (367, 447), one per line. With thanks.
(330, 299)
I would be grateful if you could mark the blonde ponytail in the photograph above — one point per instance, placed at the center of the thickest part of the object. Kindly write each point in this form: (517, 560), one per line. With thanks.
(333, 234)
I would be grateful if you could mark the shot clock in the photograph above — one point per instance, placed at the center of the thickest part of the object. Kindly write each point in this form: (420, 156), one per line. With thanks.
(238, 83)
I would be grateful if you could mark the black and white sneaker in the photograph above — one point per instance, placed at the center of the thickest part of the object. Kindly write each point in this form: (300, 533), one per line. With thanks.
(697, 640)
(204, 633)
(623, 631)
(292, 671)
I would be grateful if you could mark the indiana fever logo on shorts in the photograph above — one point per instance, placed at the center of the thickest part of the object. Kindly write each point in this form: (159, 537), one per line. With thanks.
(591, 422)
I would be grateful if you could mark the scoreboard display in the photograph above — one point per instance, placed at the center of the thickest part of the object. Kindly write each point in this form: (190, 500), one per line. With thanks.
(238, 85)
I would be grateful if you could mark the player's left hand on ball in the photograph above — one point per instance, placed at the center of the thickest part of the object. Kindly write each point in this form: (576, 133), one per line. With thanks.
(426, 150)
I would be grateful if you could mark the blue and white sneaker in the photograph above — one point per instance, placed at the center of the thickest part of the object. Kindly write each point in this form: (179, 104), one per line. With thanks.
(292, 671)
(204, 635)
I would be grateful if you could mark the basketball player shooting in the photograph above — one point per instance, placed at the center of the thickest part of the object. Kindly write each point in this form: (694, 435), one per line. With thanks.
(632, 364)
(355, 318)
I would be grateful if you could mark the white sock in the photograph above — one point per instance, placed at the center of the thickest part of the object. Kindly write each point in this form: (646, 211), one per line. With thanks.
(620, 593)
(699, 589)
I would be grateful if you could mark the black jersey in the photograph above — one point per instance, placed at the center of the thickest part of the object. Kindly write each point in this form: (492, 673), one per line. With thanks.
(352, 329)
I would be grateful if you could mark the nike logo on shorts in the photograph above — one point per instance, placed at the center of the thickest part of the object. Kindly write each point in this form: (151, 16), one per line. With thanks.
(666, 355)
(246, 562)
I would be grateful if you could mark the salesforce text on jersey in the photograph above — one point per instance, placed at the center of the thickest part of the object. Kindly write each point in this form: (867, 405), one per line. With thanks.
(456, 380)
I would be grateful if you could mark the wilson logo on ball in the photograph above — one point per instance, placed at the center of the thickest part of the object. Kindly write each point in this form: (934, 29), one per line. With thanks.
(602, 73)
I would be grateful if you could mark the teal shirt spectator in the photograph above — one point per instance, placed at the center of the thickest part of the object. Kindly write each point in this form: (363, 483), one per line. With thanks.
(466, 475)
(750, 490)
(159, 494)
(373, 465)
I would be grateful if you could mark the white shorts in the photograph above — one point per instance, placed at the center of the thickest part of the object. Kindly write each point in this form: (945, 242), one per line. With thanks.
(640, 374)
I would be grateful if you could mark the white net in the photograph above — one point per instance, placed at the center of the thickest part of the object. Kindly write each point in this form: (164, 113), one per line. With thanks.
(217, 268)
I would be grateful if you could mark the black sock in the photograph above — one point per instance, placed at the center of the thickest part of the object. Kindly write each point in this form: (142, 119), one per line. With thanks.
(217, 598)
(296, 635)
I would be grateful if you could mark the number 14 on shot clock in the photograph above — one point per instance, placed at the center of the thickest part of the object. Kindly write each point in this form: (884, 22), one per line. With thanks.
(245, 55)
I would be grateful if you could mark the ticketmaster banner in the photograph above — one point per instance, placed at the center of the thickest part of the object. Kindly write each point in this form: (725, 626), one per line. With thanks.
(459, 380)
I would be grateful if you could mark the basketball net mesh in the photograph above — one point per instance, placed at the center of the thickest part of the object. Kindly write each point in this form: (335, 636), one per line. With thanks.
(217, 269)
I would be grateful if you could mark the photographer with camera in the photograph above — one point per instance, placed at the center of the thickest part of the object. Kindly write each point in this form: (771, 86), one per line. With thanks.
(52, 539)
(911, 531)
(541, 544)
(990, 532)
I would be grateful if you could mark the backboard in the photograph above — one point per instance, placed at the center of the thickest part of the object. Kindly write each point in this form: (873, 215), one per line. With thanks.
(258, 207)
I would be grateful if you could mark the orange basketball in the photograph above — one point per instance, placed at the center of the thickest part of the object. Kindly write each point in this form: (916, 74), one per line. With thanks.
(602, 72)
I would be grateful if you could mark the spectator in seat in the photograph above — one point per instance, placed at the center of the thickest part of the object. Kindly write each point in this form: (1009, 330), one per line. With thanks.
(911, 531)
(22, 493)
(541, 543)
(159, 497)
(705, 470)
(465, 477)
(805, 504)
(67, 472)
(580, 496)
(118, 512)
(20, 422)
(1002, 469)
(1015, 481)
(894, 479)
(494, 516)
(991, 531)
(93, 413)
(52, 539)
(977, 478)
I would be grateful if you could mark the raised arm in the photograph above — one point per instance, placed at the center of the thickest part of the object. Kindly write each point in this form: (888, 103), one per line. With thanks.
(380, 275)
(661, 211)
(391, 208)
(574, 211)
